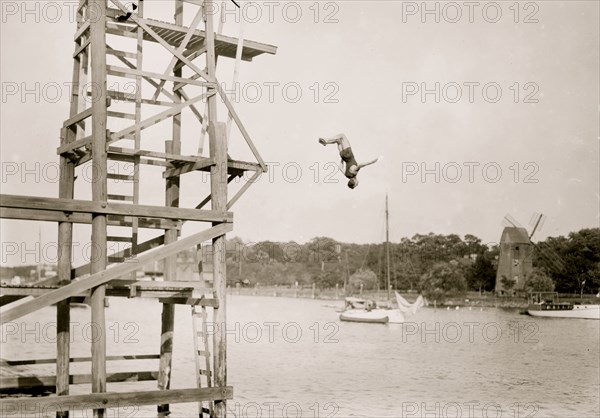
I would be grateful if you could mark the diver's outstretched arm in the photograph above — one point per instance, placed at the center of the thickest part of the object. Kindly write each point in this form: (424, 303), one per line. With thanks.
(368, 163)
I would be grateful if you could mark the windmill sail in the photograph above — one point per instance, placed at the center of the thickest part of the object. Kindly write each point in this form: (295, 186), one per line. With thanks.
(509, 221)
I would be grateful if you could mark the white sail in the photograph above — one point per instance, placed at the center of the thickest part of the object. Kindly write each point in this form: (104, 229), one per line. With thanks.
(409, 308)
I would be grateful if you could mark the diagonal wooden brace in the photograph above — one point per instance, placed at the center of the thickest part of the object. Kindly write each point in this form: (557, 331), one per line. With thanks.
(111, 273)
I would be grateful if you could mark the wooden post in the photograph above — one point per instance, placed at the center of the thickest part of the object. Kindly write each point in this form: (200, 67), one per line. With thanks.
(65, 246)
(217, 136)
(211, 64)
(166, 349)
(387, 250)
(138, 133)
(170, 263)
(170, 274)
(99, 191)
(218, 151)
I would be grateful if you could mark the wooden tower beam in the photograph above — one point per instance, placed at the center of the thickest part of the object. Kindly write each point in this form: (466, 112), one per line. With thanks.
(111, 273)
(172, 185)
(99, 192)
(65, 229)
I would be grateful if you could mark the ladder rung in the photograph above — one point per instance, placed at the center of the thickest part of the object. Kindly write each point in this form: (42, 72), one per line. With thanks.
(120, 115)
(119, 239)
(128, 136)
(203, 353)
(204, 373)
(116, 259)
(120, 197)
(118, 29)
(122, 54)
(121, 157)
(115, 176)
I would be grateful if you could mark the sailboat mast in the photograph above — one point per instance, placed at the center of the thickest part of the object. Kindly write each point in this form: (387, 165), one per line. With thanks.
(39, 260)
(387, 247)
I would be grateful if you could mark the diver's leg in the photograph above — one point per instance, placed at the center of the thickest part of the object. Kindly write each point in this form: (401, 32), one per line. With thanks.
(338, 139)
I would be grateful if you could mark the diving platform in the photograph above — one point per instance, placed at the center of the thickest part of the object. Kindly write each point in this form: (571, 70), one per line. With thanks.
(225, 46)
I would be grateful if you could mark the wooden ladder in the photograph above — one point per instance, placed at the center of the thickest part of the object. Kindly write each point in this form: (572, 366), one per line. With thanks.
(126, 167)
(202, 342)
(116, 234)
(202, 354)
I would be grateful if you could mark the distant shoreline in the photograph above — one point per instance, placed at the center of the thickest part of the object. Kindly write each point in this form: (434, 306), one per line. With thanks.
(469, 299)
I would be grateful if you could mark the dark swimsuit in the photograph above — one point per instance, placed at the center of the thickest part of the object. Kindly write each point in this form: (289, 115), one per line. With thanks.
(348, 157)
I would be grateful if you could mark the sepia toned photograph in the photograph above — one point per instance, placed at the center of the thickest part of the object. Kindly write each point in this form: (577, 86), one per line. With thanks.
(310, 208)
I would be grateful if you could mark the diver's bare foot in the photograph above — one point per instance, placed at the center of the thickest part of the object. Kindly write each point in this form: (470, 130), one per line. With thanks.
(322, 141)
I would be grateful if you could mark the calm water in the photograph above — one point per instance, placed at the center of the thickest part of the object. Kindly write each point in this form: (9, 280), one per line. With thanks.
(292, 357)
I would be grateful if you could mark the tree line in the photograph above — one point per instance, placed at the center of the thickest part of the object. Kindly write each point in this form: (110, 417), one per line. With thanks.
(433, 264)
(427, 263)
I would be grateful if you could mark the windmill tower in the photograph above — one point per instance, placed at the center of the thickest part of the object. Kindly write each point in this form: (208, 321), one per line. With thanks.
(515, 262)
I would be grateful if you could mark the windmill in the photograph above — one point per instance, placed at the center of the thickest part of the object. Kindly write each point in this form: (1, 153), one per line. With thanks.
(537, 221)
(516, 254)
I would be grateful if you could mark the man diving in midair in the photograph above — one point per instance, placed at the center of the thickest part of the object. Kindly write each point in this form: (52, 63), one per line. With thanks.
(349, 166)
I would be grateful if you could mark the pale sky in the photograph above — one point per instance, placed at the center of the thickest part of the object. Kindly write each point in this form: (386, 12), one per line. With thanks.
(360, 57)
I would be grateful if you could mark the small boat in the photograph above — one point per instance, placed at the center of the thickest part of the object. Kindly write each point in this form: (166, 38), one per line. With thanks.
(546, 304)
(367, 311)
(364, 310)
(377, 316)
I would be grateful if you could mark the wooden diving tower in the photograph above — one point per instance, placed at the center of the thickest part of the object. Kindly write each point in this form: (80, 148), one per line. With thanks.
(109, 126)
